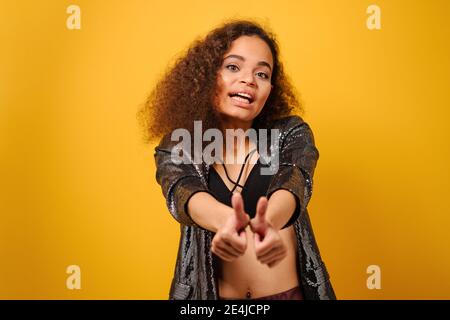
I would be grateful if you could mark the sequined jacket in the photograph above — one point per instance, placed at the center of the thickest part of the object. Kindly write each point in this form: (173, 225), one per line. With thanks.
(196, 274)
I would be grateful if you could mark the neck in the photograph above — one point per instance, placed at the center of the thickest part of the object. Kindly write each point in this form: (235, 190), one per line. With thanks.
(241, 144)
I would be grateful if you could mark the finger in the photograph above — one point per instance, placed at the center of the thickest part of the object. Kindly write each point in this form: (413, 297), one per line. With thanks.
(257, 239)
(275, 262)
(272, 256)
(226, 246)
(225, 242)
(257, 226)
(240, 243)
(261, 208)
(238, 205)
(242, 223)
(264, 246)
(223, 254)
(243, 235)
(272, 252)
(233, 242)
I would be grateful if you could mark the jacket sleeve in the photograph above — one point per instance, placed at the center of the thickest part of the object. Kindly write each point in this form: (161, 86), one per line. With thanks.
(297, 161)
(178, 182)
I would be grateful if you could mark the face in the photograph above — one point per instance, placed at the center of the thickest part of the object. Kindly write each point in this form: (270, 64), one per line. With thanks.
(244, 81)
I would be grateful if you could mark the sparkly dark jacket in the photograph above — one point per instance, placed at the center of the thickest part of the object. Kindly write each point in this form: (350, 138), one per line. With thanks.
(196, 272)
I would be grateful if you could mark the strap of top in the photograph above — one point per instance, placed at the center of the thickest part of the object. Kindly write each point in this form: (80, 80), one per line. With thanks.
(236, 184)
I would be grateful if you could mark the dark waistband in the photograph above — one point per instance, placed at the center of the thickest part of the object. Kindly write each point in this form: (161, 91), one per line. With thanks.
(291, 294)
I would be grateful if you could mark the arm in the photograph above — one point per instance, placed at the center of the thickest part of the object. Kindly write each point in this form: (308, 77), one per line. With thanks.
(190, 203)
(298, 158)
(280, 209)
(207, 212)
(288, 193)
(188, 200)
(179, 182)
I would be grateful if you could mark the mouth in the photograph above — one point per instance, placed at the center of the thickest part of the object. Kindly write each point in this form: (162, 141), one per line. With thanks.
(242, 98)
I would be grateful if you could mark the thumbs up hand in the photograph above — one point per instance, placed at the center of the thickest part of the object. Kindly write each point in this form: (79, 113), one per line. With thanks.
(230, 241)
(269, 246)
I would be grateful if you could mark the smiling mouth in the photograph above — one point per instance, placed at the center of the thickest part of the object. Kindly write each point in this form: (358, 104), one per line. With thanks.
(241, 98)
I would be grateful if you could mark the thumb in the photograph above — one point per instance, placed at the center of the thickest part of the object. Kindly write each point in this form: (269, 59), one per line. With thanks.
(257, 238)
(238, 205)
(261, 208)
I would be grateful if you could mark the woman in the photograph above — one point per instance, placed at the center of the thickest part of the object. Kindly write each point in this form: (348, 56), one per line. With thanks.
(244, 234)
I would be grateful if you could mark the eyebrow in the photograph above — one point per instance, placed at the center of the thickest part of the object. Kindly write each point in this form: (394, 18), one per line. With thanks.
(260, 63)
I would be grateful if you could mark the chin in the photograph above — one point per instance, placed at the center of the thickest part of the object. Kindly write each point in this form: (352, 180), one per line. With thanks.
(241, 115)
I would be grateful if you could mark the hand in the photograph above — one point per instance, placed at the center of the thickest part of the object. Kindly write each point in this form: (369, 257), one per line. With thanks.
(269, 246)
(230, 241)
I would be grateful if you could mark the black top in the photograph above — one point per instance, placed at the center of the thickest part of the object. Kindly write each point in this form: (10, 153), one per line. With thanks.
(254, 187)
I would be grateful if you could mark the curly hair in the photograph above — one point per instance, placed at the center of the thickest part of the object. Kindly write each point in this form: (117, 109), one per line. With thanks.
(186, 91)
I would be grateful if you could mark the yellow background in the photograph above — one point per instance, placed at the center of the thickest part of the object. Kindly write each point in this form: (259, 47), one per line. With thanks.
(78, 185)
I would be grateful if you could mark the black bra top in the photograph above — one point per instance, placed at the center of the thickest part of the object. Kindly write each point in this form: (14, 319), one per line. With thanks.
(254, 187)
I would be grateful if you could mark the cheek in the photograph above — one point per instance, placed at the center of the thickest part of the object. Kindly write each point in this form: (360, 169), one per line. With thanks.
(220, 91)
(225, 82)
(265, 92)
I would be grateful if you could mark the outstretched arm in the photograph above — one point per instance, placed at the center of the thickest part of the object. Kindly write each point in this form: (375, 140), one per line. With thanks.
(188, 199)
(228, 224)
(207, 212)
(190, 203)
(280, 208)
(298, 158)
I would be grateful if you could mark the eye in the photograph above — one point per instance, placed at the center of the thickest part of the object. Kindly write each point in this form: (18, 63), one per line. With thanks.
(232, 67)
(263, 75)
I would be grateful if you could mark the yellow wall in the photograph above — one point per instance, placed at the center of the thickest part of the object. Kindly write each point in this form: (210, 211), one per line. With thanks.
(78, 186)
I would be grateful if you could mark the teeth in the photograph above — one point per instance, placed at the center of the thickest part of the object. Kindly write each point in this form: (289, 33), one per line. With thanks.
(244, 95)
(238, 98)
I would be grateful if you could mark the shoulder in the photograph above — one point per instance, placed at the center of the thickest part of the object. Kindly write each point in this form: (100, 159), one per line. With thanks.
(294, 128)
(290, 122)
(166, 143)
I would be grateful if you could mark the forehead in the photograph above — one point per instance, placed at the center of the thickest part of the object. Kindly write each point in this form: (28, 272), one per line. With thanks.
(252, 48)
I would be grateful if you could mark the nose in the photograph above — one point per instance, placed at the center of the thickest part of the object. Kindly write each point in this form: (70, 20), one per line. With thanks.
(248, 79)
